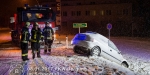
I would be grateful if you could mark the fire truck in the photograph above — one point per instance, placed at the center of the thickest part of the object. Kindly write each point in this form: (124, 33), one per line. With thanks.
(37, 13)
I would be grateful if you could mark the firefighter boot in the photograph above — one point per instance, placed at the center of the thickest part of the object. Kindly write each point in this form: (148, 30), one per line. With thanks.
(49, 50)
(45, 49)
(38, 54)
(23, 58)
(33, 55)
(26, 58)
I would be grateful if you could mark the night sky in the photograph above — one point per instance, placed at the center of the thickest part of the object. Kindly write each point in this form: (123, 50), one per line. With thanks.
(8, 7)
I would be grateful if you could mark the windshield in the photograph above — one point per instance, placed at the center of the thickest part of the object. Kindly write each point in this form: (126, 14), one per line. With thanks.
(112, 45)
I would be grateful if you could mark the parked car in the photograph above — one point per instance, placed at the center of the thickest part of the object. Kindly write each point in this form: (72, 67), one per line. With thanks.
(95, 44)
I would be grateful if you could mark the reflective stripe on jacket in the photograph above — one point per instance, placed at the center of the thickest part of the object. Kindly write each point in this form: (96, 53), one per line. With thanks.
(24, 41)
(48, 33)
(25, 35)
(25, 54)
(36, 35)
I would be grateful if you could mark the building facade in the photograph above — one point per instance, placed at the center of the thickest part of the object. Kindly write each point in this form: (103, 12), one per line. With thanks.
(97, 14)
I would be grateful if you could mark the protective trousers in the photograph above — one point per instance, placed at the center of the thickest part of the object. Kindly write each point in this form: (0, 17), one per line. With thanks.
(35, 46)
(48, 43)
(24, 48)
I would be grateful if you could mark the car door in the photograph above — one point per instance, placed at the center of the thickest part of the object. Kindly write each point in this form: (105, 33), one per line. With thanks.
(114, 53)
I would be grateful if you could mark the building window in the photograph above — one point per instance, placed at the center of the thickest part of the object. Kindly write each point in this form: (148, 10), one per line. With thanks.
(93, 12)
(125, 11)
(87, 13)
(108, 12)
(78, 3)
(65, 4)
(73, 13)
(102, 12)
(64, 23)
(53, 5)
(78, 13)
(92, 3)
(119, 12)
(64, 13)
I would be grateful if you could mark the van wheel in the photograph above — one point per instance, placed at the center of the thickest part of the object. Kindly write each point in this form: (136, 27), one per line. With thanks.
(95, 51)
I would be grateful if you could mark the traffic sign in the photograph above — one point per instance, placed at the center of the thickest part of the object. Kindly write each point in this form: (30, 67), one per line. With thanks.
(109, 26)
(79, 25)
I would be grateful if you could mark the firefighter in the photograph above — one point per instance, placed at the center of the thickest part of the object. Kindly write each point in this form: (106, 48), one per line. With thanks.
(25, 35)
(35, 40)
(48, 34)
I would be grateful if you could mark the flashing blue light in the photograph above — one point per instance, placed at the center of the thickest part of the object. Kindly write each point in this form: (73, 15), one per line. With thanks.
(81, 37)
(78, 37)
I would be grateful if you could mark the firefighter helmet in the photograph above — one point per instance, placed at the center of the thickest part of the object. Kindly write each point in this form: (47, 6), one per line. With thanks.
(27, 24)
(35, 24)
(46, 22)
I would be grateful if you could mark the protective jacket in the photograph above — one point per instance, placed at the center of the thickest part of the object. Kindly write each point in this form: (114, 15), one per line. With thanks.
(36, 35)
(25, 35)
(48, 33)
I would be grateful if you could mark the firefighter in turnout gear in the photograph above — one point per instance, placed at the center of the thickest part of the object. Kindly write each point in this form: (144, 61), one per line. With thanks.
(25, 35)
(48, 34)
(35, 40)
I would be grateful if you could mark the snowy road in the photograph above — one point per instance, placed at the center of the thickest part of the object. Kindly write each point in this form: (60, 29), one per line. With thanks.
(136, 47)
(137, 52)
(64, 61)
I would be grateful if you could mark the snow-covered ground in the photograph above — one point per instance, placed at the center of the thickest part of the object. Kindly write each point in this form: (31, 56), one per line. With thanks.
(135, 50)
(63, 61)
